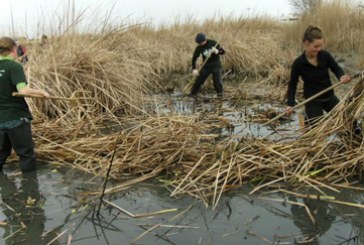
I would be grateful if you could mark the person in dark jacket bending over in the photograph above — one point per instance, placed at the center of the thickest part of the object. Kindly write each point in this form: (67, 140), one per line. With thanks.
(211, 50)
(15, 117)
(313, 67)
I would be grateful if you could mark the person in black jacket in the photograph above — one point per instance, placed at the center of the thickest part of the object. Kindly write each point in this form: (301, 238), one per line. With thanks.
(313, 67)
(209, 49)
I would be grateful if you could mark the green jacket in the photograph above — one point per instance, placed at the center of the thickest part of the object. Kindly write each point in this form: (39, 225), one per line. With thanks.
(11, 75)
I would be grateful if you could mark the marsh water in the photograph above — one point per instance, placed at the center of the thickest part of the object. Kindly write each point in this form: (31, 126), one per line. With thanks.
(54, 205)
(41, 206)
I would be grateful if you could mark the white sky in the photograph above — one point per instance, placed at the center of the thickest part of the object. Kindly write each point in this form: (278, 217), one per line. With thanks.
(32, 17)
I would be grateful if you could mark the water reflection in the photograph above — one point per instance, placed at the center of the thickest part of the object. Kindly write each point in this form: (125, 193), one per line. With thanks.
(236, 218)
(237, 122)
(323, 216)
(22, 205)
(353, 216)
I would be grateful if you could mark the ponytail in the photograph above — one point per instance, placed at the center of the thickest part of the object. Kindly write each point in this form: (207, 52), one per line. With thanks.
(312, 33)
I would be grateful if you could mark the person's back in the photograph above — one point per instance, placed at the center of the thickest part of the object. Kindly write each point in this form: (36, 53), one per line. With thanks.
(11, 108)
(15, 117)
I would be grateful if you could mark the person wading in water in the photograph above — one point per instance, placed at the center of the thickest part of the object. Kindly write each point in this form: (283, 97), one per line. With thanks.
(313, 67)
(15, 117)
(209, 49)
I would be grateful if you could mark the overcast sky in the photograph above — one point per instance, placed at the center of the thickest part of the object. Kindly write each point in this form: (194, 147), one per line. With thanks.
(32, 16)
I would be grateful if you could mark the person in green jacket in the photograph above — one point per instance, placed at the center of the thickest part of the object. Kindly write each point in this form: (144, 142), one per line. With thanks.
(210, 51)
(15, 117)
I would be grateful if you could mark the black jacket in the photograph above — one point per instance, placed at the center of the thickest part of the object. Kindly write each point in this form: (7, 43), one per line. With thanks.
(205, 50)
(315, 78)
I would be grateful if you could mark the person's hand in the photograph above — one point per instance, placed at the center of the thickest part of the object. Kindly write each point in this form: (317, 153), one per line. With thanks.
(215, 50)
(289, 110)
(195, 72)
(345, 79)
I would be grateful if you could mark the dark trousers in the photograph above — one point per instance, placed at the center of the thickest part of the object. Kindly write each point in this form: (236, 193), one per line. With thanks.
(216, 77)
(20, 139)
(315, 109)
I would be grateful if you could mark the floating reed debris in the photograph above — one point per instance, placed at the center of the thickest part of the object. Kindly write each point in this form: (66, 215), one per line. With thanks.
(136, 216)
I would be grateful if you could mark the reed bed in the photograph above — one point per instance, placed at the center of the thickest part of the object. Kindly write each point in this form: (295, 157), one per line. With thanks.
(96, 67)
(120, 67)
(117, 71)
(150, 144)
(193, 160)
(341, 22)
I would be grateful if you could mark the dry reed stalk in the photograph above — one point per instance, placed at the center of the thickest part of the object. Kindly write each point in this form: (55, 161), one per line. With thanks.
(263, 238)
(309, 213)
(69, 239)
(58, 236)
(223, 186)
(161, 224)
(307, 196)
(136, 216)
(173, 226)
(13, 234)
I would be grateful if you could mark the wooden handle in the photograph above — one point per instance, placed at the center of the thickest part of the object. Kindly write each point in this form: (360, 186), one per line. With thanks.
(361, 73)
(15, 94)
(304, 102)
(199, 70)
